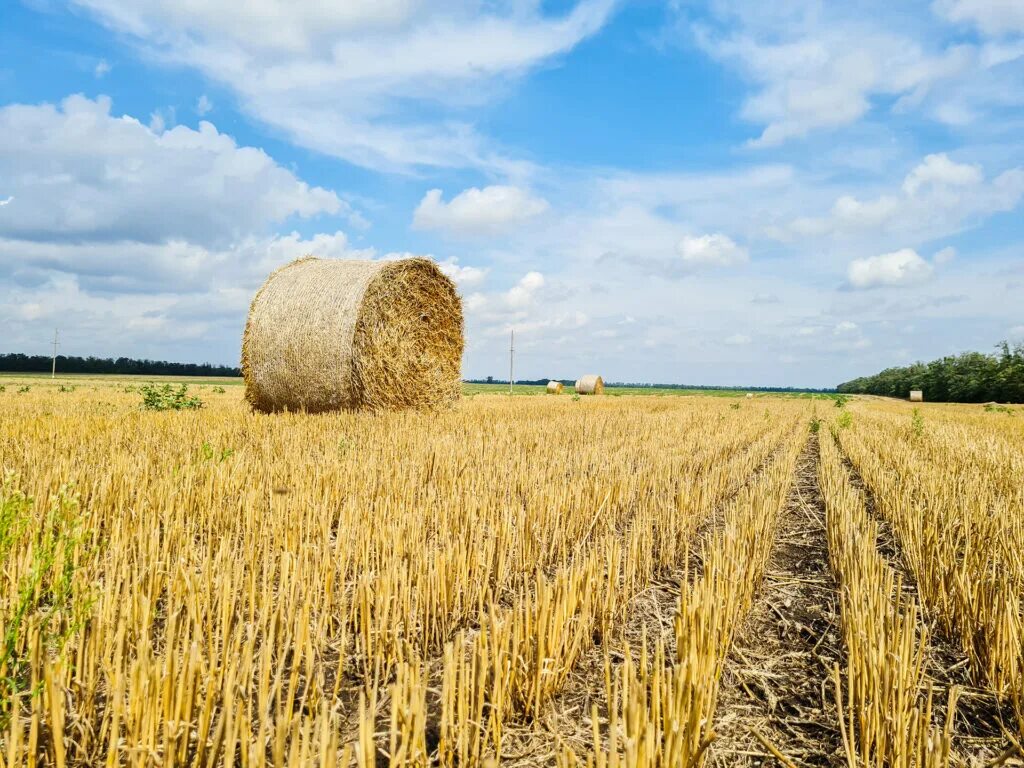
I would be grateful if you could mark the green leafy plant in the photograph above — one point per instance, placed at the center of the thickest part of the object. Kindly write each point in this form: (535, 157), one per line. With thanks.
(841, 401)
(997, 408)
(22, 390)
(209, 453)
(815, 424)
(219, 390)
(66, 388)
(917, 423)
(845, 420)
(52, 598)
(168, 398)
(734, 406)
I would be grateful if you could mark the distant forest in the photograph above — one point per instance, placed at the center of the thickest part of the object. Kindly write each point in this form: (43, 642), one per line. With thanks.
(18, 363)
(972, 377)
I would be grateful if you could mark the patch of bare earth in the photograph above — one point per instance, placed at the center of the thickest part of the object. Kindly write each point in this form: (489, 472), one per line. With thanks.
(776, 704)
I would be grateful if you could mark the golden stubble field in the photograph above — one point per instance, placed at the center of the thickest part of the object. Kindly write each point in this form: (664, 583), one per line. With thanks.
(630, 581)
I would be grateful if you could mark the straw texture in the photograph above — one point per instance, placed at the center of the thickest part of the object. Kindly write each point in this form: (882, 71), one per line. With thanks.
(555, 387)
(916, 396)
(591, 384)
(329, 334)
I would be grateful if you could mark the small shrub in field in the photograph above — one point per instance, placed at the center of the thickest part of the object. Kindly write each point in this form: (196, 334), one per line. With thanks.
(734, 406)
(917, 423)
(168, 398)
(841, 401)
(815, 425)
(22, 390)
(209, 453)
(219, 390)
(3, 388)
(66, 388)
(50, 598)
(845, 420)
(996, 408)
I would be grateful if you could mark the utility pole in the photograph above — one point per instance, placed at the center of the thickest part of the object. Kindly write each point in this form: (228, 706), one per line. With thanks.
(56, 343)
(511, 354)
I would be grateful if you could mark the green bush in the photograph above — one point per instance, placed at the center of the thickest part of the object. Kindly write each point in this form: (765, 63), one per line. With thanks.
(168, 398)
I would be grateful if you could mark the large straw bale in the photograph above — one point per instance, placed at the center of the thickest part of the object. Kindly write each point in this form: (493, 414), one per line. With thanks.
(591, 384)
(555, 387)
(327, 334)
(916, 396)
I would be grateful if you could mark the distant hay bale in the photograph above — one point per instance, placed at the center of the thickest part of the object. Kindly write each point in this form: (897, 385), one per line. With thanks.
(555, 387)
(750, 395)
(329, 334)
(916, 396)
(590, 384)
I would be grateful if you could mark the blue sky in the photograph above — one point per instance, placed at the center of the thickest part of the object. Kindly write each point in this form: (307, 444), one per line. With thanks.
(703, 192)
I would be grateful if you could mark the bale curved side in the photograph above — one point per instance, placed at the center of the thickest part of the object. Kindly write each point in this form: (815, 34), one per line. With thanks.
(591, 384)
(555, 387)
(326, 334)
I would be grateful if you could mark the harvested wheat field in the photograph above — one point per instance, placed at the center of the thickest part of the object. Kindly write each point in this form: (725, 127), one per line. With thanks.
(621, 581)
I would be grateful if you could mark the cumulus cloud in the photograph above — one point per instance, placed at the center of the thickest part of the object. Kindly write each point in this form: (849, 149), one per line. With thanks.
(315, 70)
(822, 66)
(522, 293)
(993, 17)
(465, 276)
(474, 211)
(902, 267)
(711, 251)
(938, 196)
(81, 173)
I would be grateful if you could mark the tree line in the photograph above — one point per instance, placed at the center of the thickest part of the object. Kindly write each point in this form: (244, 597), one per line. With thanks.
(19, 363)
(971, 377)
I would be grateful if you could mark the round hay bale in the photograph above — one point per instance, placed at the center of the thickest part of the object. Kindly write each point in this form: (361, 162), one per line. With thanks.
(555, 388)
(327, 334)
(916, 396)
(591, 384)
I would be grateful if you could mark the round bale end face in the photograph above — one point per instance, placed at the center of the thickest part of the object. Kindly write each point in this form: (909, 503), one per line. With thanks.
(590, 384)
(555, 388)
(329, 334)
(916, 396)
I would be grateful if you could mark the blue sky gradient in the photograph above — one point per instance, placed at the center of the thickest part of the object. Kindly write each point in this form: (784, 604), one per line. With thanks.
(720, 192)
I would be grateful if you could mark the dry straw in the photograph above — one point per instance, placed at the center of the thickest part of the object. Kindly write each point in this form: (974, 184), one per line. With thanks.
(590, 384)
(916, 396)
(555, 387)
(326, 334)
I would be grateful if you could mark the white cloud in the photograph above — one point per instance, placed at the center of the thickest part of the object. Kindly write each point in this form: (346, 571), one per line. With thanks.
(474, 211)
(101, 69)
(823, 66)
(993, 17)
(939, 171)
(737, 340)
(903, 267)
(939, 196)
(7, 201)
(81, 173)
(944, 256)
(204, 106)
(844, 327)
(334, 77)
(711, 251)
(522, 293)
(464, 276)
